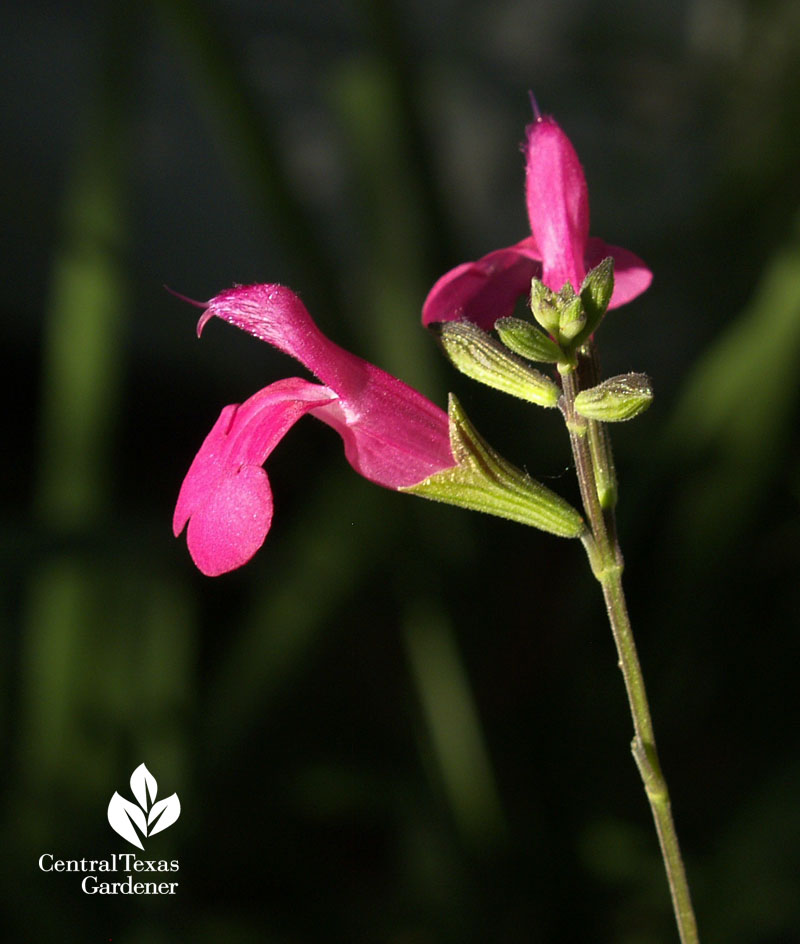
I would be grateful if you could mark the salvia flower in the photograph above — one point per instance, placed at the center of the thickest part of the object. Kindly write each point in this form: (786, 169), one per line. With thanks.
(559, 249)
(392, 434)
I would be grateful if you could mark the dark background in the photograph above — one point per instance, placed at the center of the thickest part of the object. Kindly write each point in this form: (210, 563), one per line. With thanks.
(400, 722)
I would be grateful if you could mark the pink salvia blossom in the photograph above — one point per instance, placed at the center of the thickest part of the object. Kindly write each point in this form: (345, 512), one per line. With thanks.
(559, 249)
(392, 435)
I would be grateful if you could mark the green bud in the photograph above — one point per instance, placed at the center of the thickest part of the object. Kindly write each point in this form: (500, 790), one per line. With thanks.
(477, 354)
(616, 399)
(573, 318)
(522, 338)
(596, 292)
(482, 480)
(543, 306)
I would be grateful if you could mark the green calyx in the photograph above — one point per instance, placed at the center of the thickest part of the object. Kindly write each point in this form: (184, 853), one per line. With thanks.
(573, 319)
(544, 306)
(522, 338)
(616, 399)
(482, 480)
(476, 354)
(596, 291)
(570, 317)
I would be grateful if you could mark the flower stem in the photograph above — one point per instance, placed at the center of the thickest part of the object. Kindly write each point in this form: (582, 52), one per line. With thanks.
(591, 448)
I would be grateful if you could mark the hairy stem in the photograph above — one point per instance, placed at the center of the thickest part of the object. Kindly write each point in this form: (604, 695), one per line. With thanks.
(588, 446)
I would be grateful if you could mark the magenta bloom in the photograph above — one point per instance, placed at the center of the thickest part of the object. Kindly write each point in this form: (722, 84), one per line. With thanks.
(392, 435)
(559, 249)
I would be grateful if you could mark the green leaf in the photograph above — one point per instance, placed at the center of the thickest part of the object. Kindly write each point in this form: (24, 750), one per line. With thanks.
(616, 399)
(482, 480)
(477, 354)
(522, 338)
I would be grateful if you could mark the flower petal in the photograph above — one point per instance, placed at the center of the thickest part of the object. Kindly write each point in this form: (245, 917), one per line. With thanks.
(631, 275)
(485, 290)
(273, 313)
(226, 496)
(393, 435)
(231, 524)
(558, 203)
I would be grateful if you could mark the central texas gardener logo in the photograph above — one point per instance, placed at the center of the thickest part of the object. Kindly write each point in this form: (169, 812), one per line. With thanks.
(147, 818)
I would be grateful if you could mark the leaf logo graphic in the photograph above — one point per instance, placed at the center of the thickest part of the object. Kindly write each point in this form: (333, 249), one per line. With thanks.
(147, 818)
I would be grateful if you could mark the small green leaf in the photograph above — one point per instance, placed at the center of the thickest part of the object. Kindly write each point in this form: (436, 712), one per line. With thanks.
(476, 354)
(522, 338)
(482, 480)
(616, 399)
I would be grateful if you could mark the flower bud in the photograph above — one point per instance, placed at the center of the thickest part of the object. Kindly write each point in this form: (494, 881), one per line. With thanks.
(616, 399)
(572, 319)
(543, 306)
(522, 338)
(477, 354)
(596, 292)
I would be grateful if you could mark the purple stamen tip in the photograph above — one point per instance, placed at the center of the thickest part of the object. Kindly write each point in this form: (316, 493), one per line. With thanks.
(185, 298)
(535, 106)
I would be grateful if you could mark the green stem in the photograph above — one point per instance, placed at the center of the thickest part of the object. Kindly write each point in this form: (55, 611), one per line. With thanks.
(607, 565)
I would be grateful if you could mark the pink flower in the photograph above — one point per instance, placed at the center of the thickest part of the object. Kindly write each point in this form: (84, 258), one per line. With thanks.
(559, 250)
(392, 435)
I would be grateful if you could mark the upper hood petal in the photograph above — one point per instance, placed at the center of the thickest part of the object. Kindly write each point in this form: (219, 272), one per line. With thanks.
(558, 203)
(275, 314)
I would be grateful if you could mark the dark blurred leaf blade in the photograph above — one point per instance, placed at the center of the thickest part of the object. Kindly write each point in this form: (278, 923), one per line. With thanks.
(452, 722)
(244, 131)
(393, 270)
(101, 633)
(83, 342)
(734, 418)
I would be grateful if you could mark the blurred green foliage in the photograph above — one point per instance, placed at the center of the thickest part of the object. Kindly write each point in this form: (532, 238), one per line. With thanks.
(400, 723)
